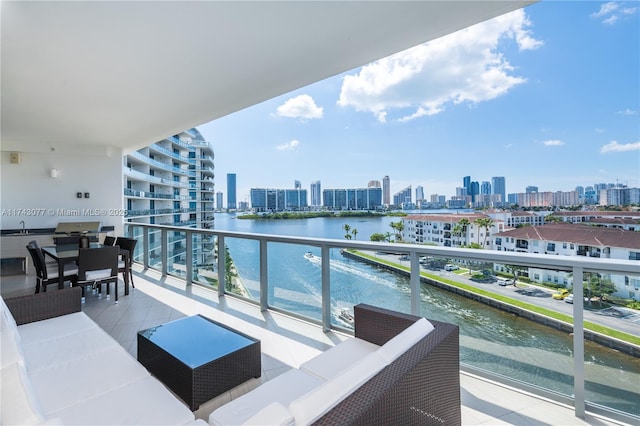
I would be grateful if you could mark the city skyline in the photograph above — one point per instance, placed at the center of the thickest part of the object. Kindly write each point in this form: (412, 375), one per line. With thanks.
(518, 96)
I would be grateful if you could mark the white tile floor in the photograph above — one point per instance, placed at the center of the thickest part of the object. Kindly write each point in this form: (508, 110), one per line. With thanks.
(285, 343)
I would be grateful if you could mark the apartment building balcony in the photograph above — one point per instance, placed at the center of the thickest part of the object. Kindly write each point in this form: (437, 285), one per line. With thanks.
(168, 152)
(158, 164)
(166, 290)
(157, 212)
(522, 244)
(145, 177)
(130, 193)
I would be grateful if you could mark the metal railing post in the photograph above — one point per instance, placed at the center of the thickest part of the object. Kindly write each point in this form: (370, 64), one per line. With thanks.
(145, 246)
(578, 342)
(164, 248)
(189, 257)
(222, 269)
(415, 283)
(264, 278)
(326, 288)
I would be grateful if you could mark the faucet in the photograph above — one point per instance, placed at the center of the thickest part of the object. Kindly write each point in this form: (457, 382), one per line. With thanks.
(23, 231)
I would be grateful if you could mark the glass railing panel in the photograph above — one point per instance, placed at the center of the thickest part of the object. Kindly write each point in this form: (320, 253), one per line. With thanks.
(298, 289)
(242, 267)
(205, 260)
(155, 248)
(176, 253)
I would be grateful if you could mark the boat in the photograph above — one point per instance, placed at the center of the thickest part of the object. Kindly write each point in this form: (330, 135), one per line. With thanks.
(308, 255)
(346, 315)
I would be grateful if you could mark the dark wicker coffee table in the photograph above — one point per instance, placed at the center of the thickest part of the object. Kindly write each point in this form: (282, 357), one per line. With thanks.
(197, 358)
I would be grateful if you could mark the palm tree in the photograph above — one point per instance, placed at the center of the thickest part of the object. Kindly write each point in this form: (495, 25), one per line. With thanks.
(354, 232)
(398, 227)
(486, 223)
(457, 232)
(347, 228)
(464, 223)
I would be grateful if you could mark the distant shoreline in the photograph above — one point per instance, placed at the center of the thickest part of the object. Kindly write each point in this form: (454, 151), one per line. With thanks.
(311, 215)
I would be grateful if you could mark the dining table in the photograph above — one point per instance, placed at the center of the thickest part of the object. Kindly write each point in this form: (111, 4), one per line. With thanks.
(69, 253)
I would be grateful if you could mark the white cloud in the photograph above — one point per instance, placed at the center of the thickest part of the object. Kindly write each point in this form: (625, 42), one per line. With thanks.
(302, 106)
(610, 13)
(614, 146)
(463, 67)
(288, 146)
(553, 142)
(628, 112)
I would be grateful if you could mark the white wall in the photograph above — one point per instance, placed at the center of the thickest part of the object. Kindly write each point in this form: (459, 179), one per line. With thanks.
(29, 193)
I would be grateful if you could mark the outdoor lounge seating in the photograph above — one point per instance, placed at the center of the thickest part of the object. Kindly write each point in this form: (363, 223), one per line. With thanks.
(59, 367)
(399, 369)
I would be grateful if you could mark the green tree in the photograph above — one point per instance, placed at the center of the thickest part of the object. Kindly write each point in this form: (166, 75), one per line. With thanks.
(347, 230)
(378, 237)
(516, 270)
(457, 232)
(486, 223)
(398, 227)
(354, 232)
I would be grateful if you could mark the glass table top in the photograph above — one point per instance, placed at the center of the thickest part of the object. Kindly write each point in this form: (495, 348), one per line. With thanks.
(196, 340)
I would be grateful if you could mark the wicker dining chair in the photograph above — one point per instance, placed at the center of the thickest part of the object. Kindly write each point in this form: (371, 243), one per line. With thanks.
(47, 272)
(97, 266)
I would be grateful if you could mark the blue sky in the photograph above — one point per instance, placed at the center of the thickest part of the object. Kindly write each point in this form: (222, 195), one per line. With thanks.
(546, 96)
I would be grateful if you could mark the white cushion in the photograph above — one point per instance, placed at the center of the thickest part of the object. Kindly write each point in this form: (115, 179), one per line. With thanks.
(43, 354)
(283, 389)
(403, 341)
(312, 405)
(81, 379)
(98, 274)
(52, 270)
(332, 362)
(54, 328)
(142, 402)
(6, 314)
(10, 348)
(273, 414)
(18, 401)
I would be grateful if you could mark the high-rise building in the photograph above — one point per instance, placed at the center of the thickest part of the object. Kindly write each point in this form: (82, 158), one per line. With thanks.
(402, 199)
(530, 189)
(170, 182)
(352, 199)
(374, 184)
(474, 190)
(316, 194)
(386, 191)
(297, 184)
(499, 187)
(419, 193)
(485, 188)
(219, 204)
(466, 184)
(231, 191)
(275, 200)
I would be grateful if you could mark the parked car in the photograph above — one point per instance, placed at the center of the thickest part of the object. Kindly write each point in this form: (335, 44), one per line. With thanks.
(504, 281)
(561, 294)
(450, 267)
(569, 298)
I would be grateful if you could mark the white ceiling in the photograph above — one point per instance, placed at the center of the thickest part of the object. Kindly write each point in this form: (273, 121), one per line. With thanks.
(129, 73)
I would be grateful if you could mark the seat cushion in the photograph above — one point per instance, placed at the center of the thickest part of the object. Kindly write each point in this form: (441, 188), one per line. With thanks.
(141, 402)
(283, 389)
(403, 341)
(54, 328)
(332, 362)
(10, 342)
(311, 406)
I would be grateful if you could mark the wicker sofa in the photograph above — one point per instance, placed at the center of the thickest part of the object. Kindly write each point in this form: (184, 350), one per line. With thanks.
(399, 369)
(59, 367)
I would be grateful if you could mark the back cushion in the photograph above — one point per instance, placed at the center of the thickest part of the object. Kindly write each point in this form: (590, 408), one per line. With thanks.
(403, 341)
(314, 404)
(10, 344)
(19, 403)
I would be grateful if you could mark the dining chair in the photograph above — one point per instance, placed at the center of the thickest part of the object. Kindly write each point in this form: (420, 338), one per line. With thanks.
(97, 266)
(109, 241)
(47, 272)
(124, 265)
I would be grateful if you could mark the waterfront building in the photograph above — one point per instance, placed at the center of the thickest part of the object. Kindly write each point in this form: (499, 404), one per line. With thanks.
(219, 205)
(386, 191)
(517, 219)
(574, 240)
(530, 189)
(619, 196)
(316, 194)
(352, 199)
(402, 199)
(231, 191)
(547, 199)
(278, 200)
(629, 220)
(171, 182)
(449, 230)
(419, 194)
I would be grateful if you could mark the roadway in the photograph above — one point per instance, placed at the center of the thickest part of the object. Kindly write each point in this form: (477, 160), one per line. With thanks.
(622, 319)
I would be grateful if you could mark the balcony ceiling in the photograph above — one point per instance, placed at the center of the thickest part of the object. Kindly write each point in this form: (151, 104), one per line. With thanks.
(129, 73)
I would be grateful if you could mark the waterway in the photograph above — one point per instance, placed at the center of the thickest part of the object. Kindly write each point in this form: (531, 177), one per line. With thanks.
(489, 338)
